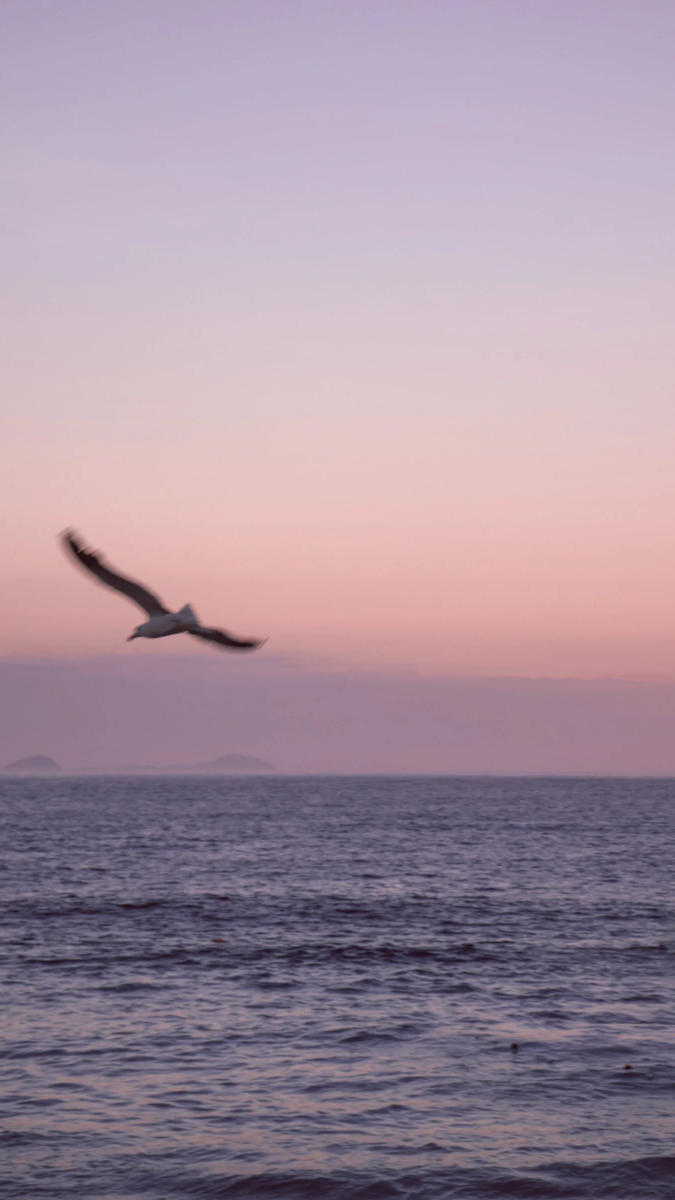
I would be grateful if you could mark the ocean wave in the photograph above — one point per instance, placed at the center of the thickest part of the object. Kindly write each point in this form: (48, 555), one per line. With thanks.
(639, 1179)
(416, 991)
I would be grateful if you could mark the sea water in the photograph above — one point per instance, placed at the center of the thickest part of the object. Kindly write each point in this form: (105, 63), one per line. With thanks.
(337, 987)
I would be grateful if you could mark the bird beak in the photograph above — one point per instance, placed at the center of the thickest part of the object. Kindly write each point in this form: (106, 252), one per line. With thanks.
(131, 637)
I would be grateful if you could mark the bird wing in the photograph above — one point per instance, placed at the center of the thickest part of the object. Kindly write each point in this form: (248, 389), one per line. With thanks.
(220, 638)
(128, 587)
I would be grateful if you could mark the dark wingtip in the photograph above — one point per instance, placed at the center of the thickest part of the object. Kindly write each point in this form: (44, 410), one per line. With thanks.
(73, 543)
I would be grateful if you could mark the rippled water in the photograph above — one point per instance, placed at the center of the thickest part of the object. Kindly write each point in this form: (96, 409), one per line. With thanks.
(310, 988)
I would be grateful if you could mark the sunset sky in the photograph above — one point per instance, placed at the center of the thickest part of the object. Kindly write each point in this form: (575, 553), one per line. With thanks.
(350, 323)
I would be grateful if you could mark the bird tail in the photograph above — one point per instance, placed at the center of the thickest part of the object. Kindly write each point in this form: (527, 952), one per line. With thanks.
(188, 614)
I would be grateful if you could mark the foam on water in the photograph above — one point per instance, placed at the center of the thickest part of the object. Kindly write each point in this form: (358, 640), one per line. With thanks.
(337, 988)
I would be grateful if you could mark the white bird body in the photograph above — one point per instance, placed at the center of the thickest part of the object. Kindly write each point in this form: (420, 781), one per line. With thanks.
(161, 622)
(164, 624)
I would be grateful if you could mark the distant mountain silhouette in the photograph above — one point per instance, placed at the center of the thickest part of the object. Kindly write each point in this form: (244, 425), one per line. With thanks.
(34, 764)
(227, 764)
(236, 763)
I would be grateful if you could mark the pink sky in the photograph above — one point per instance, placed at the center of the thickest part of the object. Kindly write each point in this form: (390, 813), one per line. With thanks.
(348, 323)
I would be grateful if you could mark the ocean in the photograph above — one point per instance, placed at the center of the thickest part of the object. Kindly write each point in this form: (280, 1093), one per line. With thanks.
(337, 988)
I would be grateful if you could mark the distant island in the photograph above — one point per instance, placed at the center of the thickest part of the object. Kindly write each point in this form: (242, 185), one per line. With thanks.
(227, 764)
(34, 764)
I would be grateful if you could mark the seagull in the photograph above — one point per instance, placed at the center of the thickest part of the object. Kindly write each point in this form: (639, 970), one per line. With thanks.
(161, 622)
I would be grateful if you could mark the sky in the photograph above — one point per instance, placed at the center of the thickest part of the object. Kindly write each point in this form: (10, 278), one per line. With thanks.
(101, 713)
(349, 324)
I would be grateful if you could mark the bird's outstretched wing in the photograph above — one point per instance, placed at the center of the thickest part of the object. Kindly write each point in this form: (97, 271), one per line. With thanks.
(128, 587)
(220, 638)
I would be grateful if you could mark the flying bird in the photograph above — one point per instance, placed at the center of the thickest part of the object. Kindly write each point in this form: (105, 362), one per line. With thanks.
(161, 622)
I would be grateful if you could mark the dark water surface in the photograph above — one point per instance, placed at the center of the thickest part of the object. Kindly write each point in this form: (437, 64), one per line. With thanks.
(310, 987)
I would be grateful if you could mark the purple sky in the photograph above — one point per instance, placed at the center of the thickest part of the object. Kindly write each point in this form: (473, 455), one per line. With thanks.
(349, 324)
(100, 712)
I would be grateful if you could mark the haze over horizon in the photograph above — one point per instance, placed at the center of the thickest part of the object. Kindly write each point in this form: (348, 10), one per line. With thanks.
(93, 712)
(350, 325)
